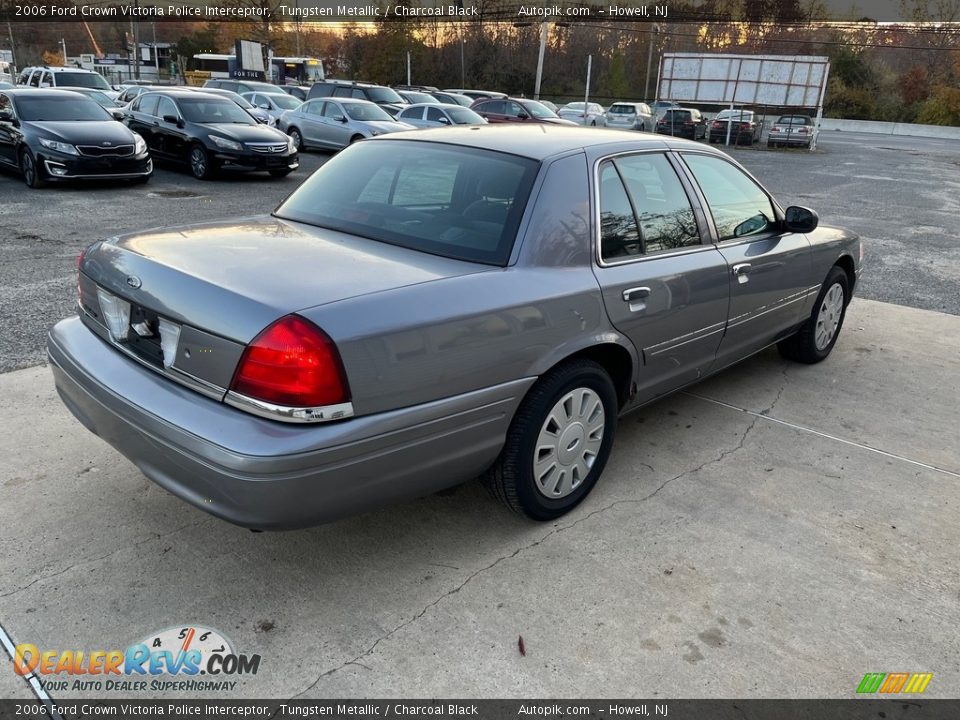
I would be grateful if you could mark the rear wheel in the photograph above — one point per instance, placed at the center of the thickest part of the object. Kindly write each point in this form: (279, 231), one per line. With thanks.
(558, 442)
(817, 336)
(201, 166)
(30, 170)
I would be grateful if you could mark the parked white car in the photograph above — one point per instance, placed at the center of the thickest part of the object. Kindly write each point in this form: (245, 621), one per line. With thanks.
(591, 114)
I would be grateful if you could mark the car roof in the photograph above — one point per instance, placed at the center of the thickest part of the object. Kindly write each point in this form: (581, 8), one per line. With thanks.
(60, 68)
(540, 141)
(444, 106)
(21, 91)
(347, 100)
(187, 93)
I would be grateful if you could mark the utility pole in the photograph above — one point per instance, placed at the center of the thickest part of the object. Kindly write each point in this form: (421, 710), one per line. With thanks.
(156, 54)
(544, 31)
(586, 96)
(296, 5)
(136, 40)
(13, 55)
(463, 66)
(655, 33)
(63, 44)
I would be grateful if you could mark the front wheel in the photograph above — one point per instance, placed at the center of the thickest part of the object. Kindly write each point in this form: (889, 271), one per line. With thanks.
(201, 167)
(558, 442)
(30, 170)
(297, 139)
(817, 336)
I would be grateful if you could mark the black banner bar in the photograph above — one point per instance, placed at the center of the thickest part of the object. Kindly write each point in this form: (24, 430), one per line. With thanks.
(910, 708)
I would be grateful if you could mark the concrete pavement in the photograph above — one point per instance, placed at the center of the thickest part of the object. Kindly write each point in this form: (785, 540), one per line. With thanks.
(777, 531)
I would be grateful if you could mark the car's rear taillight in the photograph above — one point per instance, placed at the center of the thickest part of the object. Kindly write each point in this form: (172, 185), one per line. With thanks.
(292, 363)
(717, 124)
(79, 263)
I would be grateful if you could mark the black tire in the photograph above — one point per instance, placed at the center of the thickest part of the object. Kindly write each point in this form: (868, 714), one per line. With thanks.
(201, 166)
(802, 346)
(512, 480)
(356, 138)
(297, 139)
(280, 172)
(30, 170)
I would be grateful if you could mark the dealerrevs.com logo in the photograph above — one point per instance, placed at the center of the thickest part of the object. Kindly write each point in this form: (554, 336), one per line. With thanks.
(185, 653)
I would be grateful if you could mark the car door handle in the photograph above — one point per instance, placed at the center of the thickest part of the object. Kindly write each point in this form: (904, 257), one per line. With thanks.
(634, 294)
(742, 272)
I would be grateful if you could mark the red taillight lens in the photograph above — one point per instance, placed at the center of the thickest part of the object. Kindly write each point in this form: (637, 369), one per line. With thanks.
(292, 363)
(717, 124)
(79, 263)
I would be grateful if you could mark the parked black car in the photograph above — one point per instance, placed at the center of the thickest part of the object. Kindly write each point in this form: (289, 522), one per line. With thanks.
(208, 133)
(62, 135)
(683, 122)
(385, 97)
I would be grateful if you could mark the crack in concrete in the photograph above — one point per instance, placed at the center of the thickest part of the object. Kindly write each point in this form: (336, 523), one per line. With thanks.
(631, 501)
(90, 561)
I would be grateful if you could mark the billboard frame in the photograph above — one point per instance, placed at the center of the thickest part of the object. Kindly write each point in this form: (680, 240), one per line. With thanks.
(729, 78)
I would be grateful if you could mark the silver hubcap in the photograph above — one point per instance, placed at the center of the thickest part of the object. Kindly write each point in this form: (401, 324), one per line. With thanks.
(569, 443)
(297, 140)
(199, 161)
(831, 310)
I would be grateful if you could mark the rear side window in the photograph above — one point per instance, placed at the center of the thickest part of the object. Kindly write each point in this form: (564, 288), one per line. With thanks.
(148, 104)
(462, 203)
(662, 218)
(739, 206)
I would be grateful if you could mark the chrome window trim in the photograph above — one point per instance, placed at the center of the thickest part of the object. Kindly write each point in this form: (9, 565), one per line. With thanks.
(596, 236)
(326, 413)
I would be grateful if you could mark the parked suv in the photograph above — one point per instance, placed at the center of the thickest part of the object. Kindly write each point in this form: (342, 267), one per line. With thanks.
(385, 97)
(683, 122)
(57, 77)
(630, 116)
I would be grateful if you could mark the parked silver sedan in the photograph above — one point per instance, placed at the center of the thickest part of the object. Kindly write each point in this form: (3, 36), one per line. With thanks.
(273, 104)
(334, 124)
(435, 115)
(591, 114)
(433, 306)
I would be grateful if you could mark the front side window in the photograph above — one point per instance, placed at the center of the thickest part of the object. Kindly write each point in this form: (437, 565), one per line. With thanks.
(166, 108)
(663, 215)
(148, 104)
(458, 202)
(739, 206)
(332, 111)
(85, 80)
(435, 114)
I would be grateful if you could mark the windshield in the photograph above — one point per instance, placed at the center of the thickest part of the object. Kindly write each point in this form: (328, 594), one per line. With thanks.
(365, 111)
(457, 202)
(384, 95)
(286, 102)
(87, 80)
(537, 110)
(464, 116)
(213, 110)
(60, 109)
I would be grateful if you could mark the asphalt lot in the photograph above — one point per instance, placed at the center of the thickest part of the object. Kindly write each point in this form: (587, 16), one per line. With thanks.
(778, 531)
(901, 194)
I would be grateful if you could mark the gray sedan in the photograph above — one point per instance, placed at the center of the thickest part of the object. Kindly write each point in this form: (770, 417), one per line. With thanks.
(429, 307)
(334, 124)
(435, 115)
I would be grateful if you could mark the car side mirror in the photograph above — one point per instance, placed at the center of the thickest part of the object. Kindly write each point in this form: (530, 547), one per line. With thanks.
(444, 121)
(522, 116)
(340, 118)
(800, 219)
(6, 116)
(173, 120)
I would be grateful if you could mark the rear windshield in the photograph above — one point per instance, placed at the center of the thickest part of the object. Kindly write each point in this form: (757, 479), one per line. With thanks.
(794, 120)
(384, 95)
(677, 115)
(52, 109)
(447, 200)
(87, 80)
(623, 110)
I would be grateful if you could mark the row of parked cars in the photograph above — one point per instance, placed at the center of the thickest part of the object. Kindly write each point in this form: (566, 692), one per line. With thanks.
(49, 133)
